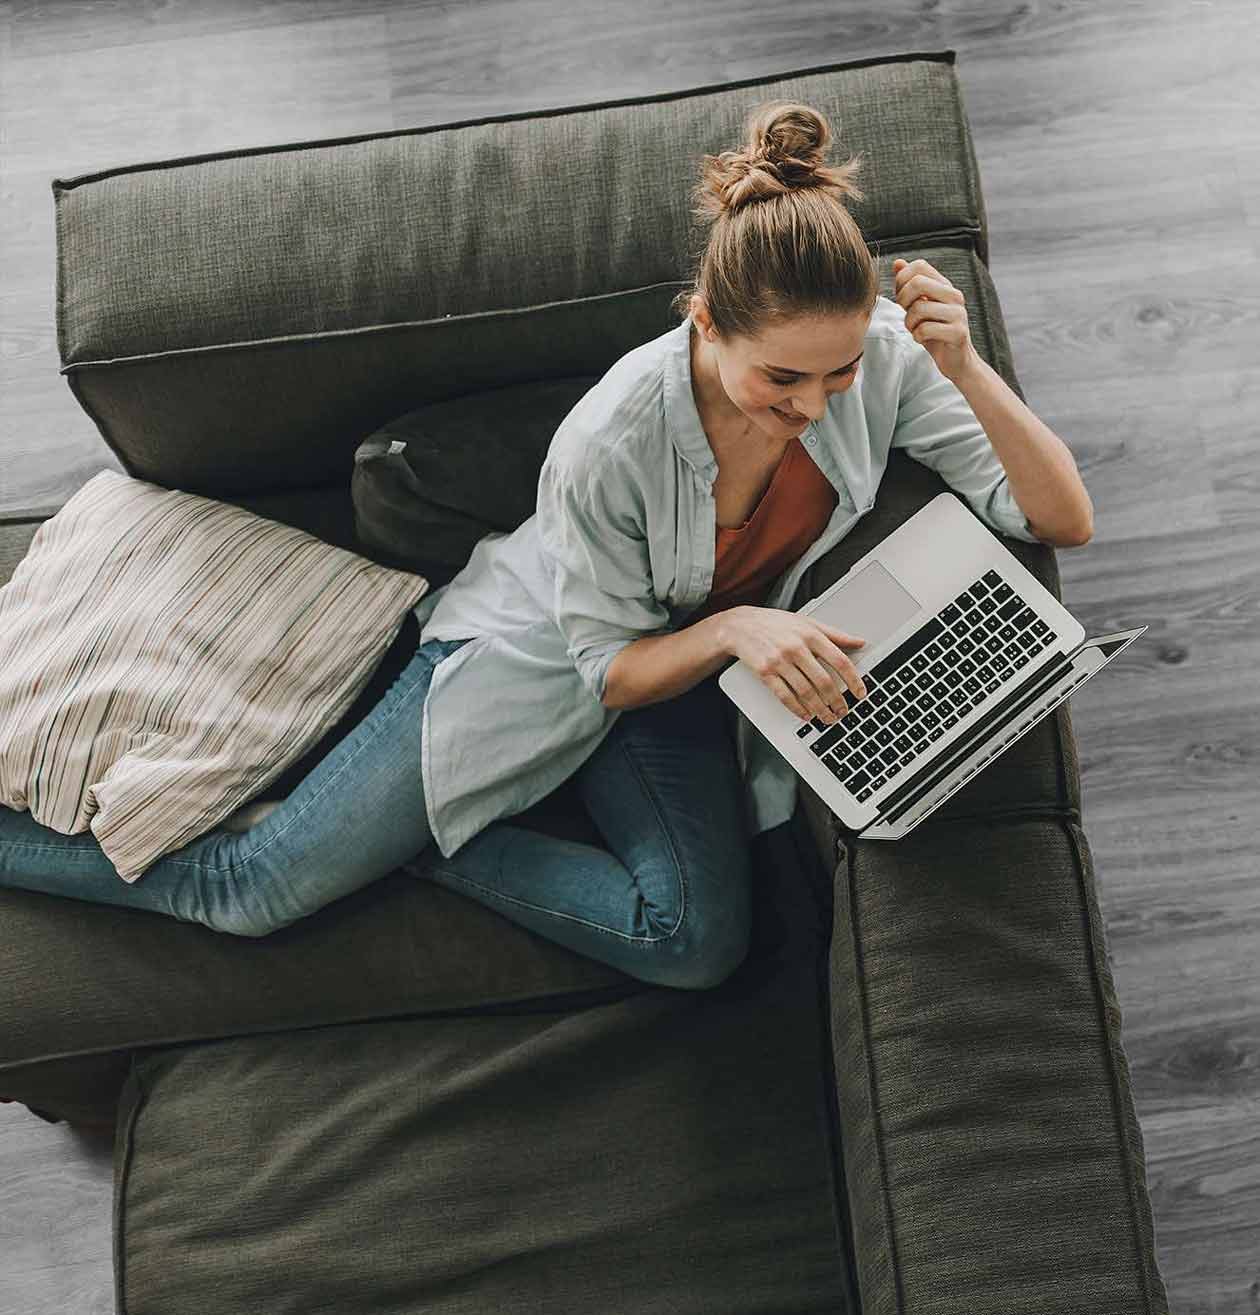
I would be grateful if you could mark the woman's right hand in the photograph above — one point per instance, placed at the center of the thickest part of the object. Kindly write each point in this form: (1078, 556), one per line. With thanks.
(800, 660)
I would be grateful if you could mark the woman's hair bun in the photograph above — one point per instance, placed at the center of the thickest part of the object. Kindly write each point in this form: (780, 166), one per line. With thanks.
(784, 146)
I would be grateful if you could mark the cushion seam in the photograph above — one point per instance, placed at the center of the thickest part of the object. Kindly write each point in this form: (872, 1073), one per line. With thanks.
(615, 991)
(946, 57)
(122, 1177)
(877, 1122)
(305, 338)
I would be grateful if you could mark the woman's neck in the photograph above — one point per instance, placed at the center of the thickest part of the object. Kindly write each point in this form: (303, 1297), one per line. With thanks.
(717, 411)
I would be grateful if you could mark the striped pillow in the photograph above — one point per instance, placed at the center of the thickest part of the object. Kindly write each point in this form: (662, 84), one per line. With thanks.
(164, 657)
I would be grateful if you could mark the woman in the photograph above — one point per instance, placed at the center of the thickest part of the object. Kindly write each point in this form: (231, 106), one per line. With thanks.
(680, 504)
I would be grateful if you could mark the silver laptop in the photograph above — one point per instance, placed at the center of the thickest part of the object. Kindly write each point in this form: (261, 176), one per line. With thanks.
(965, 651)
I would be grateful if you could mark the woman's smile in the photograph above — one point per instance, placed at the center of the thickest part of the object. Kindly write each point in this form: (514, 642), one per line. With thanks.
(787, 418)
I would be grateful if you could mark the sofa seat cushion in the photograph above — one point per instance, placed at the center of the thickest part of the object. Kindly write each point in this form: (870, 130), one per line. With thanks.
(164, 656)
(131, 978)
(669, 1151)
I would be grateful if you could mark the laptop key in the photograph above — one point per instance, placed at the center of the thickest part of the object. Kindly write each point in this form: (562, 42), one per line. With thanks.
(908, 648)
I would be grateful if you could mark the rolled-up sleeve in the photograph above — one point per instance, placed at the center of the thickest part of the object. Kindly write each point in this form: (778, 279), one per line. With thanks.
(937, 427)
(591, 525)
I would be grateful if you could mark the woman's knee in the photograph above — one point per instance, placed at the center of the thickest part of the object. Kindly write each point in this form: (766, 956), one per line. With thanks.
(230, 900)
(711, 939)
(699, 963)
(252, 920)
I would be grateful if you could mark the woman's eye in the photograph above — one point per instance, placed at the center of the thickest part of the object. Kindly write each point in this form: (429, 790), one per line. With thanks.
(787, 383)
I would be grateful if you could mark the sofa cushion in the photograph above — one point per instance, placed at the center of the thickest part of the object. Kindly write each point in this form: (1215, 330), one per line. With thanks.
(429, 484)
(164, 656)
(993, 1154)
(671, 1151)
(386, 270)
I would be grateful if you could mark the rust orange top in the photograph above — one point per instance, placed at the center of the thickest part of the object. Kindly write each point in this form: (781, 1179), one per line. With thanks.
(793, 512)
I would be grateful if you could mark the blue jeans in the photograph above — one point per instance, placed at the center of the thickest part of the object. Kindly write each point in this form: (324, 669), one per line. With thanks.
(668, 901)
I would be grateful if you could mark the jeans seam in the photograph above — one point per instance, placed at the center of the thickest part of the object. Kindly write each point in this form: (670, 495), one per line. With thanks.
(643, 941)
(666, 831)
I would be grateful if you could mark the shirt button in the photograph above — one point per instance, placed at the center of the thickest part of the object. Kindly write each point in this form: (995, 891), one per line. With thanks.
(811, 439)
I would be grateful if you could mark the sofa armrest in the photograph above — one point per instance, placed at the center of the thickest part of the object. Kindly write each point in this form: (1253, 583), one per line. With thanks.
(994, 1159)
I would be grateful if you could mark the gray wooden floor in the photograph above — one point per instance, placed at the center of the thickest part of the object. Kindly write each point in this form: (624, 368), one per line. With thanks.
(1118, 150)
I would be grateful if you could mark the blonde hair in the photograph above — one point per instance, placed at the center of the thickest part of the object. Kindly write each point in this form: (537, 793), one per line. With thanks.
(781, 244)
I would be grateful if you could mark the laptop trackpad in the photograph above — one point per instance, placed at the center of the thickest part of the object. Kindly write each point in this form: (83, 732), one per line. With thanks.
(872, 605)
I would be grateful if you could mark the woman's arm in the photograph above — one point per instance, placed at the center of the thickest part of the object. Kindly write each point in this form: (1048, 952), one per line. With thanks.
(1041, 470)
(660, 667)
(589, 525)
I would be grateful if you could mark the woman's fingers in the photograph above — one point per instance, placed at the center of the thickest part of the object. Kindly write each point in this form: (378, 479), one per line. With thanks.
(801, 698)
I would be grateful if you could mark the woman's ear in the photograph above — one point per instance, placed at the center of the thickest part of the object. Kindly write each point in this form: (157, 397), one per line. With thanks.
(701, 318)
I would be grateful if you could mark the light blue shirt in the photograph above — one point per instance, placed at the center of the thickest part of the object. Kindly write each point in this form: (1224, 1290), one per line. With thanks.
(621, 545)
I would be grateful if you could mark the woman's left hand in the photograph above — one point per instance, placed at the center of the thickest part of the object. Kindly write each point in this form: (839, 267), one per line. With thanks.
(936, 315)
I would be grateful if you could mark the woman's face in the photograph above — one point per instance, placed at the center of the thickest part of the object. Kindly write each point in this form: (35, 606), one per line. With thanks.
(781, 380)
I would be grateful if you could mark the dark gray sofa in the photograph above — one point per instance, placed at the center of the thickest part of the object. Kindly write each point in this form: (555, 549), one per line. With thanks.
(912, 1097)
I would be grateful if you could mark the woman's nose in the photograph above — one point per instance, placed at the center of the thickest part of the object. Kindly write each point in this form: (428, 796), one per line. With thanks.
(812, 405)
(815, 405)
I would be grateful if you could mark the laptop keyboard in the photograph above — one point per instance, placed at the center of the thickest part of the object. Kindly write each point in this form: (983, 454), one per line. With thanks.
(965, 655)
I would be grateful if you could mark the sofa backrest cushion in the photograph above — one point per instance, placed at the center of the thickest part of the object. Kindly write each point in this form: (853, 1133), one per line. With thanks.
(164, 656)
(338, 283)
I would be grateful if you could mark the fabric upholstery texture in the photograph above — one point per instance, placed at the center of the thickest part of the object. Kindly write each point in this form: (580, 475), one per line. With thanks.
(372, 319)
(164, 656)
(429, 484)
(994, 1161)
(949, 1127)
(667, 1152)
